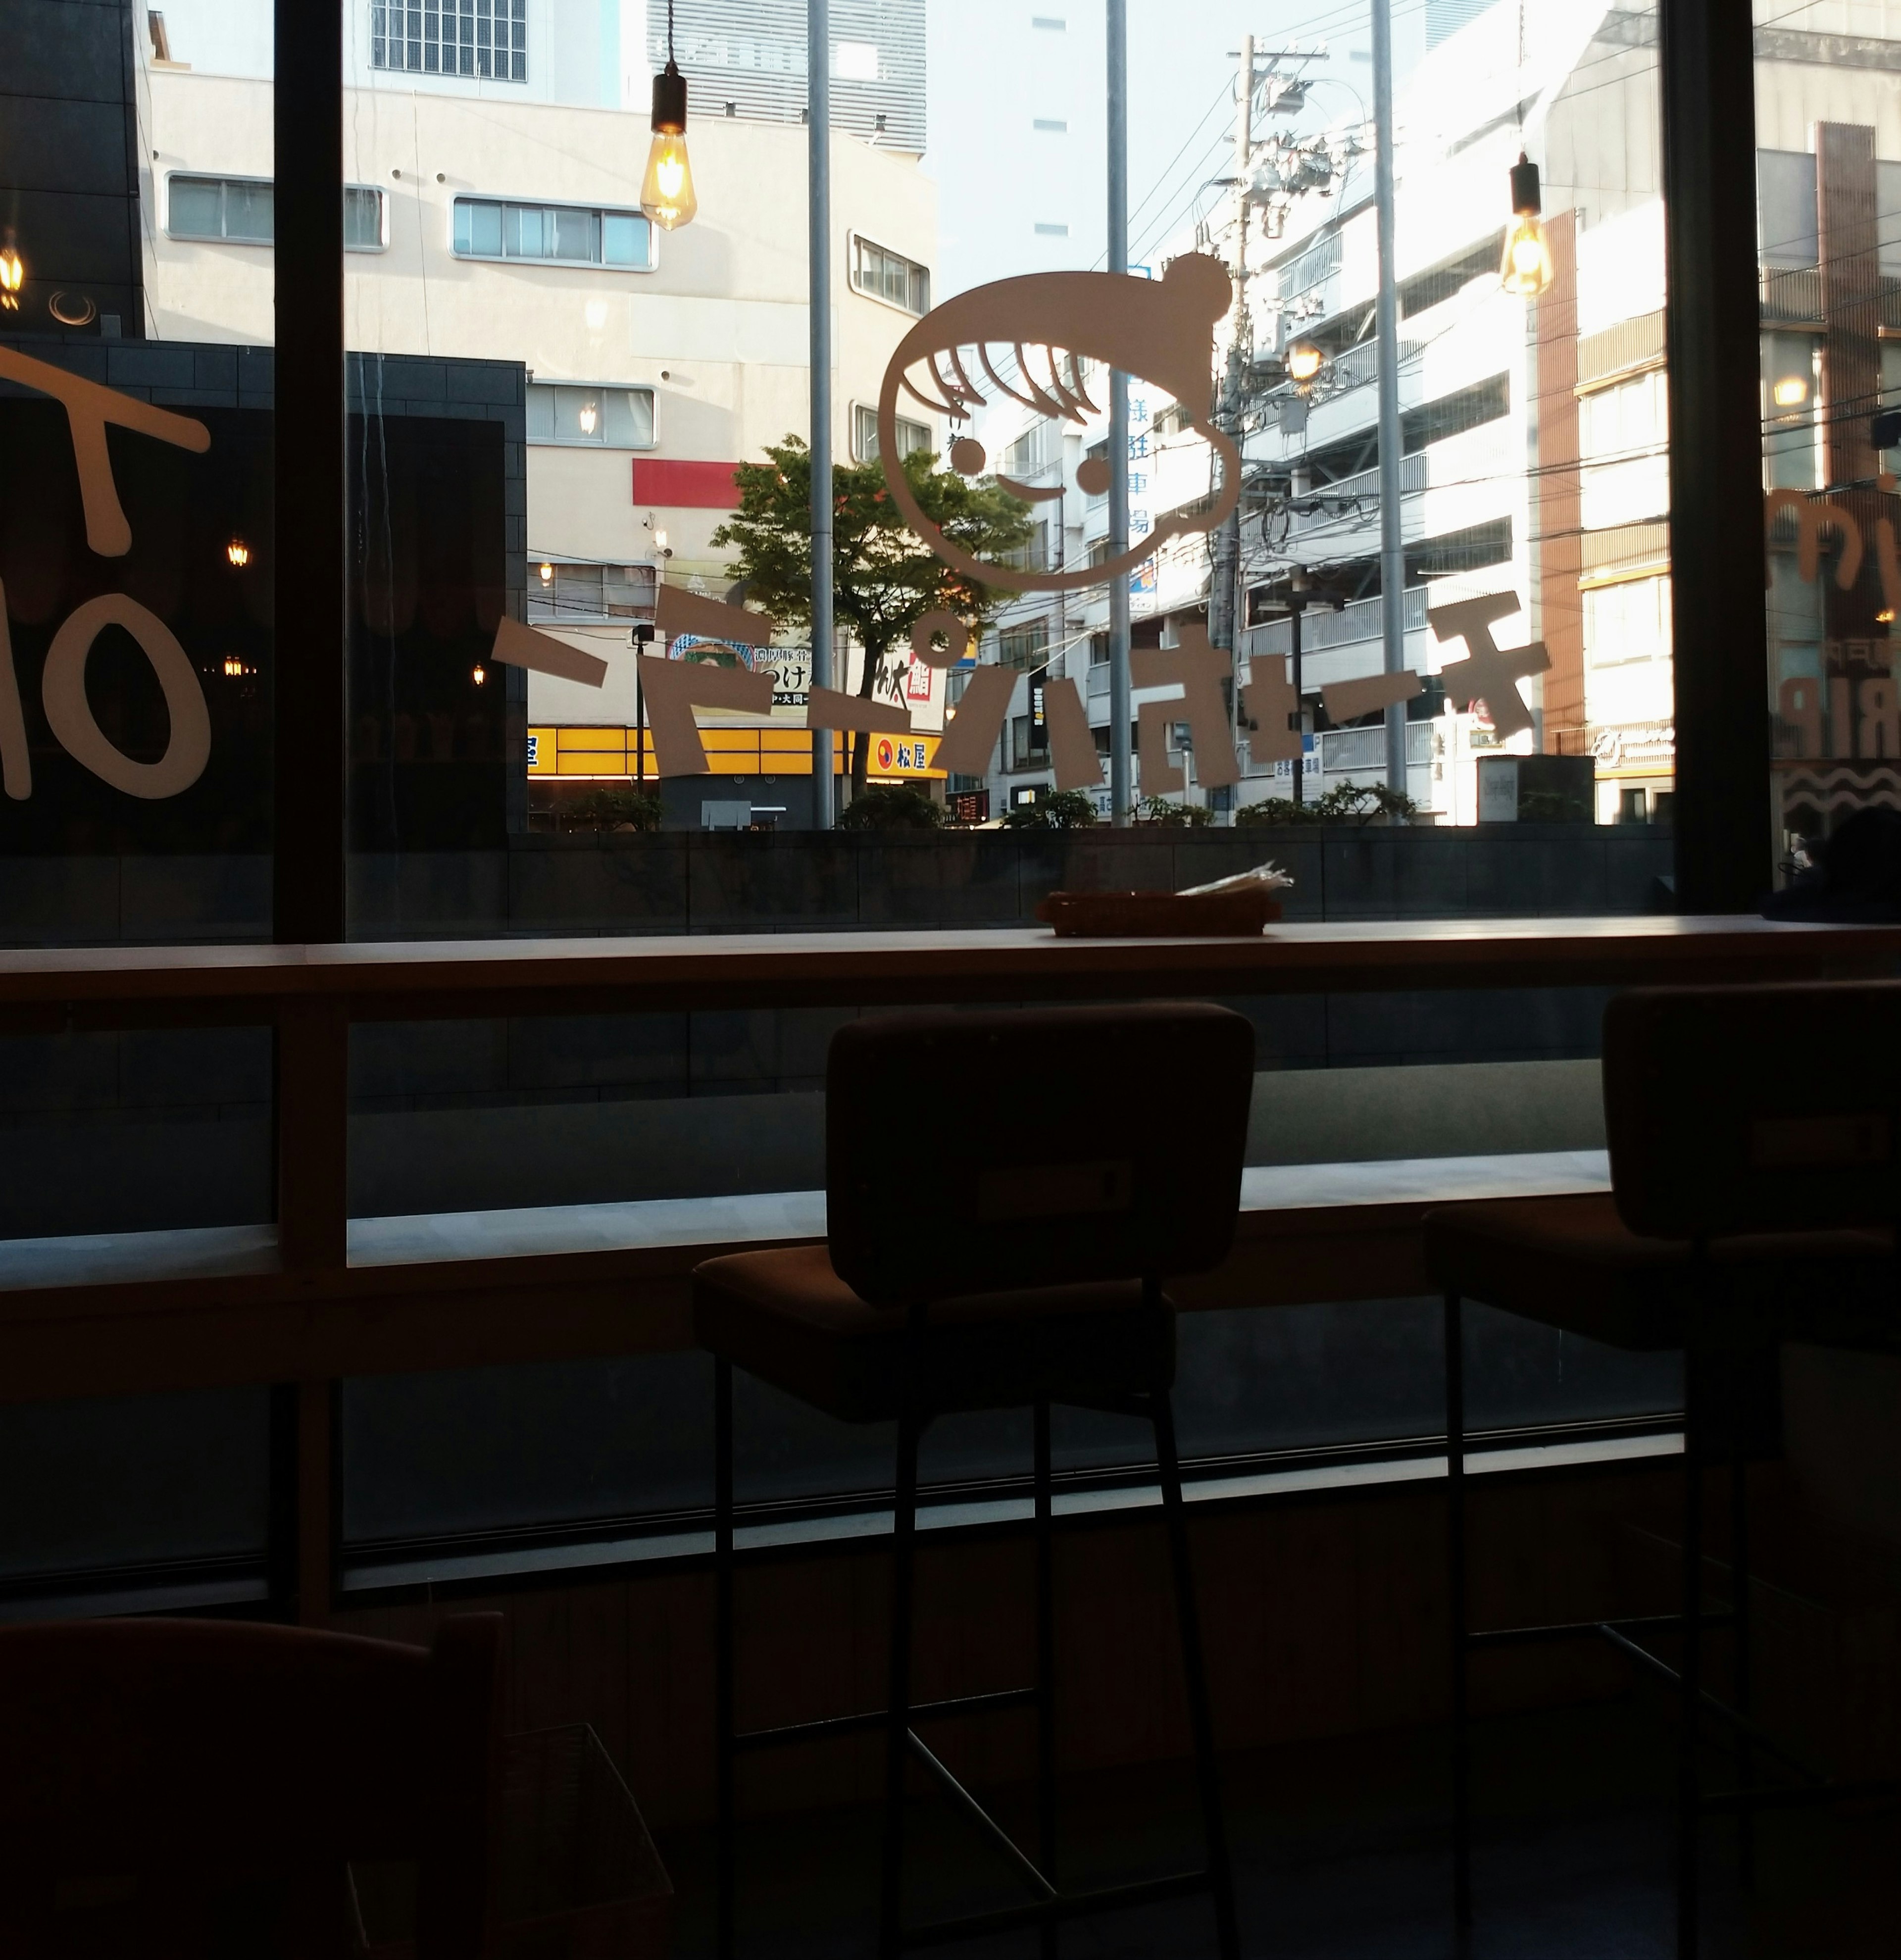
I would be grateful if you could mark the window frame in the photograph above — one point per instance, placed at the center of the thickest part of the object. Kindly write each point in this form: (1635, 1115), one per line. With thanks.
(856, 241)
(463, 200)
(859, 453)
(384, 7)
(648, 388)
(224, 179)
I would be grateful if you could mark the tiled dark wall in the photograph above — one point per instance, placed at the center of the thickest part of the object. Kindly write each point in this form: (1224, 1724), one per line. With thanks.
(68, 161)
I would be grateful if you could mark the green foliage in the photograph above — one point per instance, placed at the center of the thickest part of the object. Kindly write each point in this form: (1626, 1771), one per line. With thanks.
(1173, 816)
(612, 810)
(1054, 809)
(1346, 802)
(885, 577)
(891, 807)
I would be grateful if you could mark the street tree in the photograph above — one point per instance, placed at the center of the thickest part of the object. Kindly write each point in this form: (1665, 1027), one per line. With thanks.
(884, 579)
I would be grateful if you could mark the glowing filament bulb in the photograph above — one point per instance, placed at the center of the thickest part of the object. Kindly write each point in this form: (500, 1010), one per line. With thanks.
(239, 552)
(1527, 269)
(13, 276)
(666, 191)
(480, 675)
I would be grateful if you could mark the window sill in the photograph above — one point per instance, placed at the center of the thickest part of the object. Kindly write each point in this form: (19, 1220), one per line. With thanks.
(1335, 1472)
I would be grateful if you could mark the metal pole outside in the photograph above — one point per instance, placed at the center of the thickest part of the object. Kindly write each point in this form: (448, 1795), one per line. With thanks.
(1121, 796)
(1392, 546)
(1296, 605)
(819, 260)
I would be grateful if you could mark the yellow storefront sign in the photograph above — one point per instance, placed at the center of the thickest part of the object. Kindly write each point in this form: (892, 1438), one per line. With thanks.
(751, 749)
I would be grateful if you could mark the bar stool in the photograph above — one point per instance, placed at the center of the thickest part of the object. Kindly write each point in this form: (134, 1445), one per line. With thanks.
(1755, 1183)
(1032, 1278)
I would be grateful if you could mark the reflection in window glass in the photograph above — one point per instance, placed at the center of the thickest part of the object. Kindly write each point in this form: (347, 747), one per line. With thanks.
(1829, 197)
(603, 417)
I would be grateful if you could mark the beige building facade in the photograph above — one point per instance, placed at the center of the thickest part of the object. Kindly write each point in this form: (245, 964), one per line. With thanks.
(486, 223)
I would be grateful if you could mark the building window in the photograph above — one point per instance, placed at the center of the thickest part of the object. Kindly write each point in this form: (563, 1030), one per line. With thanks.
(1052, 232)
(911, 436)
(886, 275)
(1024, 646)
(552, 234)
(1627, 621)
(1049, 125)
(365, 219)
(590, 418)
(487, 40)
(239, 211)
(580, 595)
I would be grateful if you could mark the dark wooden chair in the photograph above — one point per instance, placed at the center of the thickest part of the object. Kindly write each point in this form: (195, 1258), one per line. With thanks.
(1105, 1157)
(199, 1788)
(1756, 1181)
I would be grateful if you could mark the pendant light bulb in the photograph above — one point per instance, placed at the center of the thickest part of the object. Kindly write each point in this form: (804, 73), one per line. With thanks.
(1526, 270)
(13, 276)
(666, 191)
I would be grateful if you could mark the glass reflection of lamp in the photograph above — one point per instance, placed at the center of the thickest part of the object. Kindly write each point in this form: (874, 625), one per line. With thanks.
(666, 191)
(1526, 270)
(1791, 392)
(13, 276)
(548, 574)
(661, 547)
(1305, 361)
(480, 675)
(590, 419)
(233, 667)
(239, 552)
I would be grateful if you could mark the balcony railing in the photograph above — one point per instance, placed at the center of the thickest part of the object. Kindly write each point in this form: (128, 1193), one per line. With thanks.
(1363, 619)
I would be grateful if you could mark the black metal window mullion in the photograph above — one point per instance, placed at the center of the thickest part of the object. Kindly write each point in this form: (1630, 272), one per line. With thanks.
(1712, 311)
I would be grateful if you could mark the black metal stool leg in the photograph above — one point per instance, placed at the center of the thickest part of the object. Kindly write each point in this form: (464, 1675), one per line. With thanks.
(1745, 1755)
(1200, 1721)
(723, 1859)
(1689, 1680)
(1045, 1672)
(897, 1707)
(1456, 1601)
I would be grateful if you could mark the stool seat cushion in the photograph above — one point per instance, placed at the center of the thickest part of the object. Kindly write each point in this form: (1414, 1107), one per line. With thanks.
(787, 1317)
(1573, 1263)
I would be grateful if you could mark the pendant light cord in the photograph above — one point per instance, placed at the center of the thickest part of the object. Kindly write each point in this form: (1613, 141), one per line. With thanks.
(670, 33)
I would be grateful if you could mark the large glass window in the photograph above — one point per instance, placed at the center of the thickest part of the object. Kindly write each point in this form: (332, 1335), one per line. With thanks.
(138, 665)
(1829, 200)
(1414, 592)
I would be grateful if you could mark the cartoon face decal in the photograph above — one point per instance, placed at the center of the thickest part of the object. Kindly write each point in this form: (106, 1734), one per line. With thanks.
(1026, 338)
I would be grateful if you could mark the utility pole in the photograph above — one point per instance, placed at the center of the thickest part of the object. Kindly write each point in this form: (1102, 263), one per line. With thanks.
(1120, 795)
(1392, 544)
(1297, 597)
(1224, 595)
(819, 307)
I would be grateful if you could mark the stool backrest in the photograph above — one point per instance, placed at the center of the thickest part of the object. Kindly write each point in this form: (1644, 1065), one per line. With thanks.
(1761, 1109)
(985, 1152)
(156, 1765)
